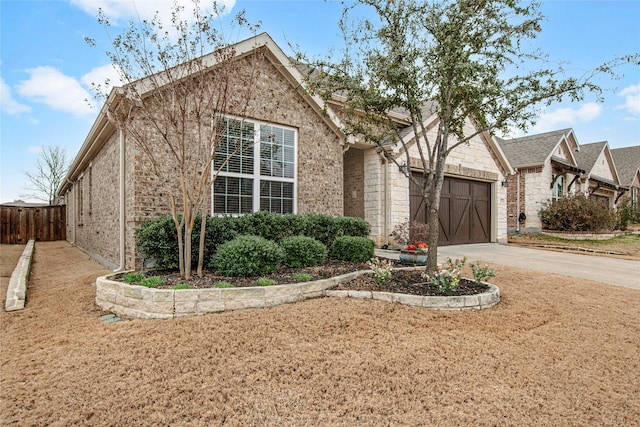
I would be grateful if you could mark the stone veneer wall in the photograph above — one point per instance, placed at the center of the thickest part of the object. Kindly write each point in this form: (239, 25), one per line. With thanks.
(354, 183)
(93, 205)
(470, 161)
(538, 185)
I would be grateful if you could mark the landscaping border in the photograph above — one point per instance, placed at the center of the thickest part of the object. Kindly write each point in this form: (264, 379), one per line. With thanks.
(134, 301)
(17, 289)
(580, 235)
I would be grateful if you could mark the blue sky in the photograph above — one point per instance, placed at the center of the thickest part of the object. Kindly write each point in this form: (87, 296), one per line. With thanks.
(46, 67)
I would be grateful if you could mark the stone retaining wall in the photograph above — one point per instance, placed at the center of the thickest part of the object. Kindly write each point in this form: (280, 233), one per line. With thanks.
(144, 303)
(139, 302)
(464, 302)
(17, 289)
(580, 236)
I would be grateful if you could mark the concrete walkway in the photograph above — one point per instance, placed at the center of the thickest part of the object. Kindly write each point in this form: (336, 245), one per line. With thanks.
(613, 271)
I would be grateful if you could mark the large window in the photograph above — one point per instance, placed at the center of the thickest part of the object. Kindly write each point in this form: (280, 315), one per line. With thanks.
(257, 164)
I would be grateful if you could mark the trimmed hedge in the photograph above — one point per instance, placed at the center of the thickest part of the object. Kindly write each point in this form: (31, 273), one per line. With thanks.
(302, 251)
(157, 238)
(247, 256)
(354, 249)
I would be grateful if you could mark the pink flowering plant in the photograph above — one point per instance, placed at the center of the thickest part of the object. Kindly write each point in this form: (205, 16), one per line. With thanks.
(382, 269)
(447, 278)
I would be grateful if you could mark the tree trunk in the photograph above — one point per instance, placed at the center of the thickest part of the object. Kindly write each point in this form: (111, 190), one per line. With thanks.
(187, 252)
(433, 194)
(203, 228)
(180, 249)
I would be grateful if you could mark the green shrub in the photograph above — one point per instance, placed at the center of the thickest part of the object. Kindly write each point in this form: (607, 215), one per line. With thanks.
(302, 251)
(577, 213)
(265, 224)
(263, 281)
(220, 229)
(247, 256)
(302, 277)
(350, 226)
(626, 214)
(181, 286)
(322, 227)
(151, 282)
(133, 277)
(157, 239)
(222, 285)
(354, 249)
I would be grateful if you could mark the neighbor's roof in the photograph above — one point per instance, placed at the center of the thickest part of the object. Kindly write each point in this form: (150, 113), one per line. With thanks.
(627, 162)
(588, 154)
(532, 150)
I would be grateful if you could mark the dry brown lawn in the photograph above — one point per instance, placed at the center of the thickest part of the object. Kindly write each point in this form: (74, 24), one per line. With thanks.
(555, 351)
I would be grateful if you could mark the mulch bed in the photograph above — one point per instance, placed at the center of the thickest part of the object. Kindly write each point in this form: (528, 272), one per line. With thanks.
(402, 281)
(411, 282)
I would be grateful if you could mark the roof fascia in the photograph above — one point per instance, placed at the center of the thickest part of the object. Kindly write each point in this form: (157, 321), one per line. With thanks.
(612, 164)
(564, 138)
(93, 142)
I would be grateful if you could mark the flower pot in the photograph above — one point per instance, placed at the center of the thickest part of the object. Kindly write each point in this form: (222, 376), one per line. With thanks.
(413, 257)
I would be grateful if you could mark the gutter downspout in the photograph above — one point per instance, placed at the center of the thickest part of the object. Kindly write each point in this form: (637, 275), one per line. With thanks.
(517, 200)
(122, 203)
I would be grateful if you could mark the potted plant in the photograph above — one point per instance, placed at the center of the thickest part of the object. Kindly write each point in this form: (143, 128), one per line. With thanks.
(414, 253)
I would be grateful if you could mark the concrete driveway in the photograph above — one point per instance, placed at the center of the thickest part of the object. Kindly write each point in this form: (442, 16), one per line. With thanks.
(613, 271)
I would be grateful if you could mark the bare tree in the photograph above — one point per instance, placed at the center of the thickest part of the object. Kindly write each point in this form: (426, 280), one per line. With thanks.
(186, 89)
(51, 168)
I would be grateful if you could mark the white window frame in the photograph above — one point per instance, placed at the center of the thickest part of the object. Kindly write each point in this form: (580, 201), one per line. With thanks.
(256, 176)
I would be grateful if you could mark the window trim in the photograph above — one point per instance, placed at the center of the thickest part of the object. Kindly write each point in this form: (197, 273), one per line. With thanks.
(256, 176)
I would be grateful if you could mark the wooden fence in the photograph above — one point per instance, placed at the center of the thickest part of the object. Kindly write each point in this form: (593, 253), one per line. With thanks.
(20, 224)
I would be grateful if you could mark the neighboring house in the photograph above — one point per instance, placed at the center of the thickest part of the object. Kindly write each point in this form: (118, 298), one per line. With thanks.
(545, 168)
(601, 180)
(551, 165)
(110, 190)
(627, 161)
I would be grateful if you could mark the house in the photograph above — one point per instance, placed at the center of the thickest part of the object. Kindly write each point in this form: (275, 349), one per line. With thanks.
(551, 165)
(600, 180)
(110, 189)
(627, 161)
(473, 201)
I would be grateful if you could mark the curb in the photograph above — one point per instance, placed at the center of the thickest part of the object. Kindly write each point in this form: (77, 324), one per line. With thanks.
(17, 290)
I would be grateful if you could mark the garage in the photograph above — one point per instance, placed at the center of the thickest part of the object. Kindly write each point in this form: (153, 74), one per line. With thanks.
(465, 211)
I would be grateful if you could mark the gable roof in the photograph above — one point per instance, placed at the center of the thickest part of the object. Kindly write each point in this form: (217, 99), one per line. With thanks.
(535, 150)
(589, 153)
(627, 162)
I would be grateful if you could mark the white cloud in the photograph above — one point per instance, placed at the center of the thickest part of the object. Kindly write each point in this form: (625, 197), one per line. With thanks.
(567, 117)
(7, 103)
(104, 78)
(35, 149)
(49, 86)
(632, 95)
(145, 9)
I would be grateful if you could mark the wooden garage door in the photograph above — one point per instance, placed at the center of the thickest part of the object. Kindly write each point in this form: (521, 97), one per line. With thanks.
(465, 211)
